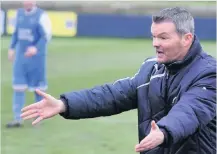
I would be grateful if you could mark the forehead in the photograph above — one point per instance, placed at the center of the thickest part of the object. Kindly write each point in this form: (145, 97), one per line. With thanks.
(163, 27)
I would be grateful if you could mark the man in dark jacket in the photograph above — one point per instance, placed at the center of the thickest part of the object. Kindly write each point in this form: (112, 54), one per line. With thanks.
(175, 93)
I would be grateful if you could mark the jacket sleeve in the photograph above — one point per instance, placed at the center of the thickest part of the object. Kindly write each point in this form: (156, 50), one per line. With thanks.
(105, 100)
(195, 108)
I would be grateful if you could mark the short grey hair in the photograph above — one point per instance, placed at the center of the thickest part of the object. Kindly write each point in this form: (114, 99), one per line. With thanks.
(182, 19)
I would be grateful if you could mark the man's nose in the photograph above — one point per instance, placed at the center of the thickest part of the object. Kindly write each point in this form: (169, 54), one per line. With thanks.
(156, 42)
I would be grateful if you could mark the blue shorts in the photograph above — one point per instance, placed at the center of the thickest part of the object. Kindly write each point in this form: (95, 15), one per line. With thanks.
(29, 73)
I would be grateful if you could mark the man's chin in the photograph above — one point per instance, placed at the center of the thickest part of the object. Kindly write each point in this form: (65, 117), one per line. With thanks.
(161, 60)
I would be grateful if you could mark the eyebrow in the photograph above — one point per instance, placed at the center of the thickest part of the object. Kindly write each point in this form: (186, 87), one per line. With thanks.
(164, 33)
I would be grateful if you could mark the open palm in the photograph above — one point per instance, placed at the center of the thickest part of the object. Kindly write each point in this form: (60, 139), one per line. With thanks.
(46, 108)
(152, 140)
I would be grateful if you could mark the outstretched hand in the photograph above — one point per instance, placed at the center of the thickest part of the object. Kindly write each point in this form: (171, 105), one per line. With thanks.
(152, 140)
(44, 109)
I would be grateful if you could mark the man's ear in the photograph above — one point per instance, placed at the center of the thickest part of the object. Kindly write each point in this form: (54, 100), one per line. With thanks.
(187, 39)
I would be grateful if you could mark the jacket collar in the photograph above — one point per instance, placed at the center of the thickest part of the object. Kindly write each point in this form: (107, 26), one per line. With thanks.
(194, 50)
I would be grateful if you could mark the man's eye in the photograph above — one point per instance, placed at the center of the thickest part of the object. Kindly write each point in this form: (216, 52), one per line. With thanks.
(163, 38)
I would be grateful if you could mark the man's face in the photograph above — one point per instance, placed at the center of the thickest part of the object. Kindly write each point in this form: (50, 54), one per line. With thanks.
(167, 42)
(28, 5)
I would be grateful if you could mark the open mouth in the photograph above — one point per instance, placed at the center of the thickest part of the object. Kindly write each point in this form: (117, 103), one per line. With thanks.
(159, 52)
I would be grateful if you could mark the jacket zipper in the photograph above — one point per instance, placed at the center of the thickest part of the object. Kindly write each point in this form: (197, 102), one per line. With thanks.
(166, 96)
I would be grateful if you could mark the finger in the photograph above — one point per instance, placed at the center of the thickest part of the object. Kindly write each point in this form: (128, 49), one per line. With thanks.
(31, 107)
(137, 146)
(41, 93)
(141, 149)
(154, 126)
(34, 115)
(145, 140)
(145, 146)
(27, 113)
(37, 120)
(29, 55)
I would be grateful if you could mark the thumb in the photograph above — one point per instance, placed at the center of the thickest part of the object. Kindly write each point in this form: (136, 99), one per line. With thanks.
(41, 93)
(154, 126)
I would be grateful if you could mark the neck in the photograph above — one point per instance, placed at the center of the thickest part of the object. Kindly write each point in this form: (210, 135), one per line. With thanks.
(184, 53)
(30, 10)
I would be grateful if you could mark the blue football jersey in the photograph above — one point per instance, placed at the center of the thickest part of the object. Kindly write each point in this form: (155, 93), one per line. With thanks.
(31, 29)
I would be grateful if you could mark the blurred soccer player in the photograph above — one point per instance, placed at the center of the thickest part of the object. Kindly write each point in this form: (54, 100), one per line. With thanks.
(28, 54)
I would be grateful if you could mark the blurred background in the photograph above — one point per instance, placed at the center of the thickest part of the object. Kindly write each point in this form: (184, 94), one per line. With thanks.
(93, 43)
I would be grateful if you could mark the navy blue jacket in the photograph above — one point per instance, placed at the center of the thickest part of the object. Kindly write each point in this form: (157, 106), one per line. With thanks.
(180, 97)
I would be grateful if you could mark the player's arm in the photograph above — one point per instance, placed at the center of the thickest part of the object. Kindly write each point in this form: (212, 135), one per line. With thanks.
(105, 100)
(14, 37)
(13, 40)
(195, 109)
(45, 30)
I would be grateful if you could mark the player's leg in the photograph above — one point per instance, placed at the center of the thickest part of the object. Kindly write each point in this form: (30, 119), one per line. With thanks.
(37, 97)
(37, 79)
(19, 87)
(40, 83)
(18, 103)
